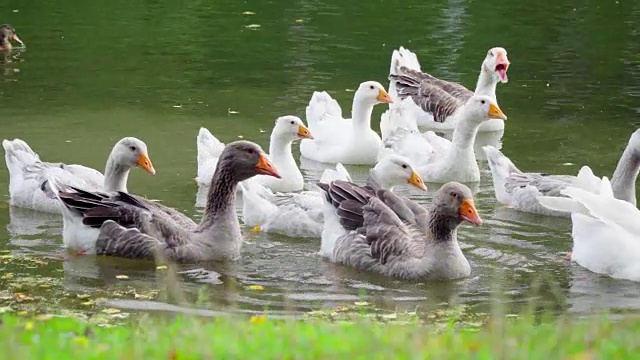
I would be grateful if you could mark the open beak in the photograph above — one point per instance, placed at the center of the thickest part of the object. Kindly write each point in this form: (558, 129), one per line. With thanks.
(145, 163)
(384, 97)
(416, 181)
(502, 65)
(265, 167)
(17, 39)
(469, 213)
(495, 112)
(304, 133)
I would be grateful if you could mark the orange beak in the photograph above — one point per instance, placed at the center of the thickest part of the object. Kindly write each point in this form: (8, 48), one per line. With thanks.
(495, 112)
(265, 167)
(502, 65)
(384, 97)
(145, 163)
(304, 133)
(17, 39)
(469, 213)
(416, 181)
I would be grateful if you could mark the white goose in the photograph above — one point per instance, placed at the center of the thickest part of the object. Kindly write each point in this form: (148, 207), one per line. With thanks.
(346, 141)
(286, 130)
(438, 108)
(300, 214)
(28, 174)
(606, 230)
(520, 190)
(440, 160)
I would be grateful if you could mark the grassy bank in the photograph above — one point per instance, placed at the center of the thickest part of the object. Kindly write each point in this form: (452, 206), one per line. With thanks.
(260, 338)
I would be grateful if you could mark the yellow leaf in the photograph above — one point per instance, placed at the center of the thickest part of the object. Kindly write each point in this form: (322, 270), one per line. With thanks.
(122, 277)
(88, 303)
(28, 326)
(256, 228)
(83, 296)
(299, 20)
(8, 276)
(81, 340)
(22, 313)
(6, 256)
(256, 287)
(161, 267)
(360, 303)
(257, 319)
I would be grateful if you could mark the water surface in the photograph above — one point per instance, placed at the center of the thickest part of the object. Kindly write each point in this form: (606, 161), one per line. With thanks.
(159, 70)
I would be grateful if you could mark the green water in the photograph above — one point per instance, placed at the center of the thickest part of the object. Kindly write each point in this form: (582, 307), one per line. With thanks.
(94, 72)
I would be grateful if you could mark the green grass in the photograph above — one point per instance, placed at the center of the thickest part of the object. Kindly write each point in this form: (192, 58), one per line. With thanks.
(259, 338)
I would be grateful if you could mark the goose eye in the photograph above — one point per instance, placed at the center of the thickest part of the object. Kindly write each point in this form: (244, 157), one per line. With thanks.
(491, 53)
(250, 151)
(454, 195)
(371, 87)
(292, 122)
(482, 102)
(404, 166)
(133, 148)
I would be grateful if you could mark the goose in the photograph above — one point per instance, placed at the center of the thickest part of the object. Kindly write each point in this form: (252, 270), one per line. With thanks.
(440, 160)
(300, 214)
(439, 107)
(121, 225)
(286, 130)
(28, 174)
(605, 230)
(520, 190)
(339, 140)
(8, 33)
(382, 232)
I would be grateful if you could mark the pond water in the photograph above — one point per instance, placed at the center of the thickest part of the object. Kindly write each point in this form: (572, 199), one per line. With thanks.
(93, 73)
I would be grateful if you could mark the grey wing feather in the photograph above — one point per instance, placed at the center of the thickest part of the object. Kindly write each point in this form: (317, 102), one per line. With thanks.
(549, 185)
(428, 94)
(126, 242)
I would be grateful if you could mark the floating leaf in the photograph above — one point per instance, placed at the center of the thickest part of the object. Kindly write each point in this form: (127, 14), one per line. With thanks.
(360, 303)
(44, 317)
(28, 326)
(83, 296)
(110, 311)
(81, 340)
(122, 277)
(232, 112)
(256, 287)
(88, 303)
(161, 267)
(299, 20)
(248, 13)
(8, 276)
(257, 319)
(6, 256)
(253, 26)
(22, 313)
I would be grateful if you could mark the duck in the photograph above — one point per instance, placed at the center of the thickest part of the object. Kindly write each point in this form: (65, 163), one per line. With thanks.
(439, 160)
(286, 130)
(605, 229)
(439, 99)
(520, 190)
(339, 140)
(28, 174)
(8, 33)
(121, 225)
(300, 214)
(382, 232)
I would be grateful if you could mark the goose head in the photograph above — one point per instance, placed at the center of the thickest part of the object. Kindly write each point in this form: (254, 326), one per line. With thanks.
(131, 152)
(496, 64)
(290, 128)
(393, 169)
(7, 33)
(480, 108)
(246, 159)
(454, 204)
(372, 93)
